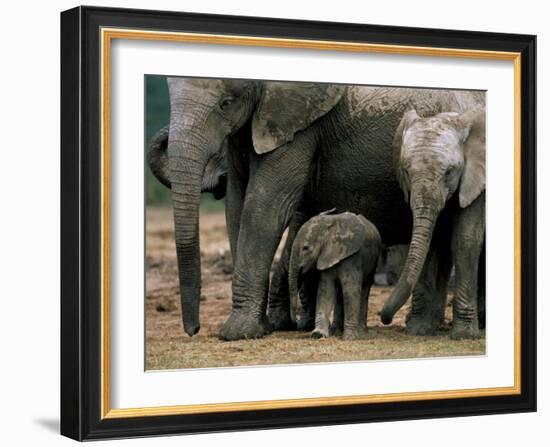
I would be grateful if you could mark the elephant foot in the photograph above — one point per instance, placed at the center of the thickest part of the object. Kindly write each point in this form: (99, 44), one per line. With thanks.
(319, 333)
(280, 320)
(239, 326)
(336, 329)
(305, 324)
(354, 334)
(464, 331)
(420, 326)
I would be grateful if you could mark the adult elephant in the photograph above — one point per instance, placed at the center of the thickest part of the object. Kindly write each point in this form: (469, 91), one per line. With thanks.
(440, 165)
(318, 145)
(214, 180)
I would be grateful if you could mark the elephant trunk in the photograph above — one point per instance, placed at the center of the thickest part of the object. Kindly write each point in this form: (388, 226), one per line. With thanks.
(187, 163)
(424, 219)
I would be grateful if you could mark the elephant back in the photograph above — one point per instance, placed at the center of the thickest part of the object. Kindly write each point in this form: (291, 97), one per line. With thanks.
(377, 102)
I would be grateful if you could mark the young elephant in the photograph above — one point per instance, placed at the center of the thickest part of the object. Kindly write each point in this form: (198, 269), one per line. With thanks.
(342, 249)
(440, 162)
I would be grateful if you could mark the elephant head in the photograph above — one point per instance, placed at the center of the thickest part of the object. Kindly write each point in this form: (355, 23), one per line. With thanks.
(436, 158)
(215, 173)
(322, 242)
(203, 114)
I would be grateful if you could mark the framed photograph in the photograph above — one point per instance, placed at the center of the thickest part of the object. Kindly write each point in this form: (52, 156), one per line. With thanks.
(273, 223)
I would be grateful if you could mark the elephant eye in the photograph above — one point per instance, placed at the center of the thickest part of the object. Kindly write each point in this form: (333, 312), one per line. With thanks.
(305, 248)
(448, 172)
(225, 103)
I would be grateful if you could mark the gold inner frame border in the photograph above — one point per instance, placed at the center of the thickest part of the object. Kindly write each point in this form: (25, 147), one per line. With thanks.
(107, 35)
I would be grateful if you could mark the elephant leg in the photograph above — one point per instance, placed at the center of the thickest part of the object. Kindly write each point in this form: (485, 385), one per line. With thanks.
(236, 187)
(279, 299)
(364, 310)
(351, 281)
(337, 326)
(429, 298)
(481, 275)
(326, 296)
(274, 190)
(467, 244)
(279, 296)
(308, 294)
(421, 317)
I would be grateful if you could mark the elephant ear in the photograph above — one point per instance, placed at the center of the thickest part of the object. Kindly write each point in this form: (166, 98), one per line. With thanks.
(286, 108)
(472, 183)
(344, 237)
(407, 121)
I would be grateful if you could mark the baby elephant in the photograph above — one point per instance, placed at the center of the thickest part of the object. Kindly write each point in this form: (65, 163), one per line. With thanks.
(342, 250)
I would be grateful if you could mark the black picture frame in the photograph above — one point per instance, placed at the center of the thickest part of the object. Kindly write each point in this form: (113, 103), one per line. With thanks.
(81, 209)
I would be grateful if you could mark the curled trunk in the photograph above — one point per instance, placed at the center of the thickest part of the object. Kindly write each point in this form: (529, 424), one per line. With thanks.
(423, 226)
(157, 157)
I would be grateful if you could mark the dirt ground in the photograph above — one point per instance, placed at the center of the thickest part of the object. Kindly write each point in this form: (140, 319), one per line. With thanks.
(168, 347)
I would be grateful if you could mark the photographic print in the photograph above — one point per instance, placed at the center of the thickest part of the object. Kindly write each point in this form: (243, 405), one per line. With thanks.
(294, 222)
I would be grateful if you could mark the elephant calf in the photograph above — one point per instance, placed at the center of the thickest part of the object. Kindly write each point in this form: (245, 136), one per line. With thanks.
(440, 164)
(343, 250)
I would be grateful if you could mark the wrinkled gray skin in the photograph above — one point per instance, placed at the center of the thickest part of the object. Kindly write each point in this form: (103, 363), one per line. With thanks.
(344, 250)
(440, 163)
(290, 145)
(390, 264)
(215, 172)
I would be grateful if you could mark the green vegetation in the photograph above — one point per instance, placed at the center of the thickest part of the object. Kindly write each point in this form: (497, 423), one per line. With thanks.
(157, 115)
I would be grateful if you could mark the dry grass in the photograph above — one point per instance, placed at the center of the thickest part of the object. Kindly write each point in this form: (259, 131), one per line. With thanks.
(168, 347)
